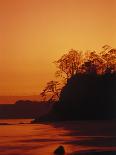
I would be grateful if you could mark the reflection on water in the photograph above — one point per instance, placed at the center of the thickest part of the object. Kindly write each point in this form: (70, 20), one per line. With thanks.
(43, 139)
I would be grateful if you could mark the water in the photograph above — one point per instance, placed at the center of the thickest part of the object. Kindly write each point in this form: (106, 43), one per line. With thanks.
(43, 139)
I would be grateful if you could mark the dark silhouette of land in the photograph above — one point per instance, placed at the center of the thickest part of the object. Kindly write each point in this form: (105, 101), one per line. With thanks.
(85, 97)
(89, 92)
(24, 109)
(8, 99)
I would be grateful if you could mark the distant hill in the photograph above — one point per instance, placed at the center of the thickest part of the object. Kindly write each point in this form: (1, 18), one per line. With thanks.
(24, 109)
(13, 99)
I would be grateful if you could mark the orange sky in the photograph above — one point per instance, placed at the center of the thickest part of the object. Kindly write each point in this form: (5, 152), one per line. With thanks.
(34, 33)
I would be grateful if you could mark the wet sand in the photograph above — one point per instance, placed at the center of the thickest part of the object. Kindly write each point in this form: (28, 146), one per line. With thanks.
(78, 138)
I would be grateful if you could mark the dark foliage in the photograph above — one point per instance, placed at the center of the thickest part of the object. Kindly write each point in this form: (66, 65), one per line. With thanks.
(90, 89)
(89, 96)
(86, 97)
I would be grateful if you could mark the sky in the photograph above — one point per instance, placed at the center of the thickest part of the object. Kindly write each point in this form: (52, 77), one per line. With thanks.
(34, 33)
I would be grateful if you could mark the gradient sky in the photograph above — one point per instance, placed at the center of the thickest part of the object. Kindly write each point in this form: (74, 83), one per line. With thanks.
(34, 33)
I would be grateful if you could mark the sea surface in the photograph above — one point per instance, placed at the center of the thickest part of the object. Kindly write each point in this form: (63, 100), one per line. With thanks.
(19, 137)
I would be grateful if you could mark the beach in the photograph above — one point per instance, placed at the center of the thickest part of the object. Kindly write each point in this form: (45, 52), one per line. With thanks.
(78, 137)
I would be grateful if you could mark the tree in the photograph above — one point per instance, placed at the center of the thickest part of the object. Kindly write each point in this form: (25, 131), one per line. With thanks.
(51, 91)
(89, 67)
(68, 65)
(75, 62)
(93, 63)
(109, 57)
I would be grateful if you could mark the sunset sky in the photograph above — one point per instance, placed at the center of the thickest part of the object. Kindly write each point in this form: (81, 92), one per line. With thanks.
(34, 33)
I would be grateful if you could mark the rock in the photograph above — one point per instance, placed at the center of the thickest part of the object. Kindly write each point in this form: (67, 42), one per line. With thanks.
(59, 151)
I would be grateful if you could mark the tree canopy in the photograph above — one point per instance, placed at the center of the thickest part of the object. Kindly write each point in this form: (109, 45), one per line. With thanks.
(75, 62)
(79, 62)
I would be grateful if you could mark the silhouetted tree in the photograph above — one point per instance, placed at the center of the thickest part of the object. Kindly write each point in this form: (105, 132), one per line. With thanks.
(89, 67)
(109, 57)
(75, 62)
(90, 90)
(51, 91)
(69, 64)
(93, 62)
